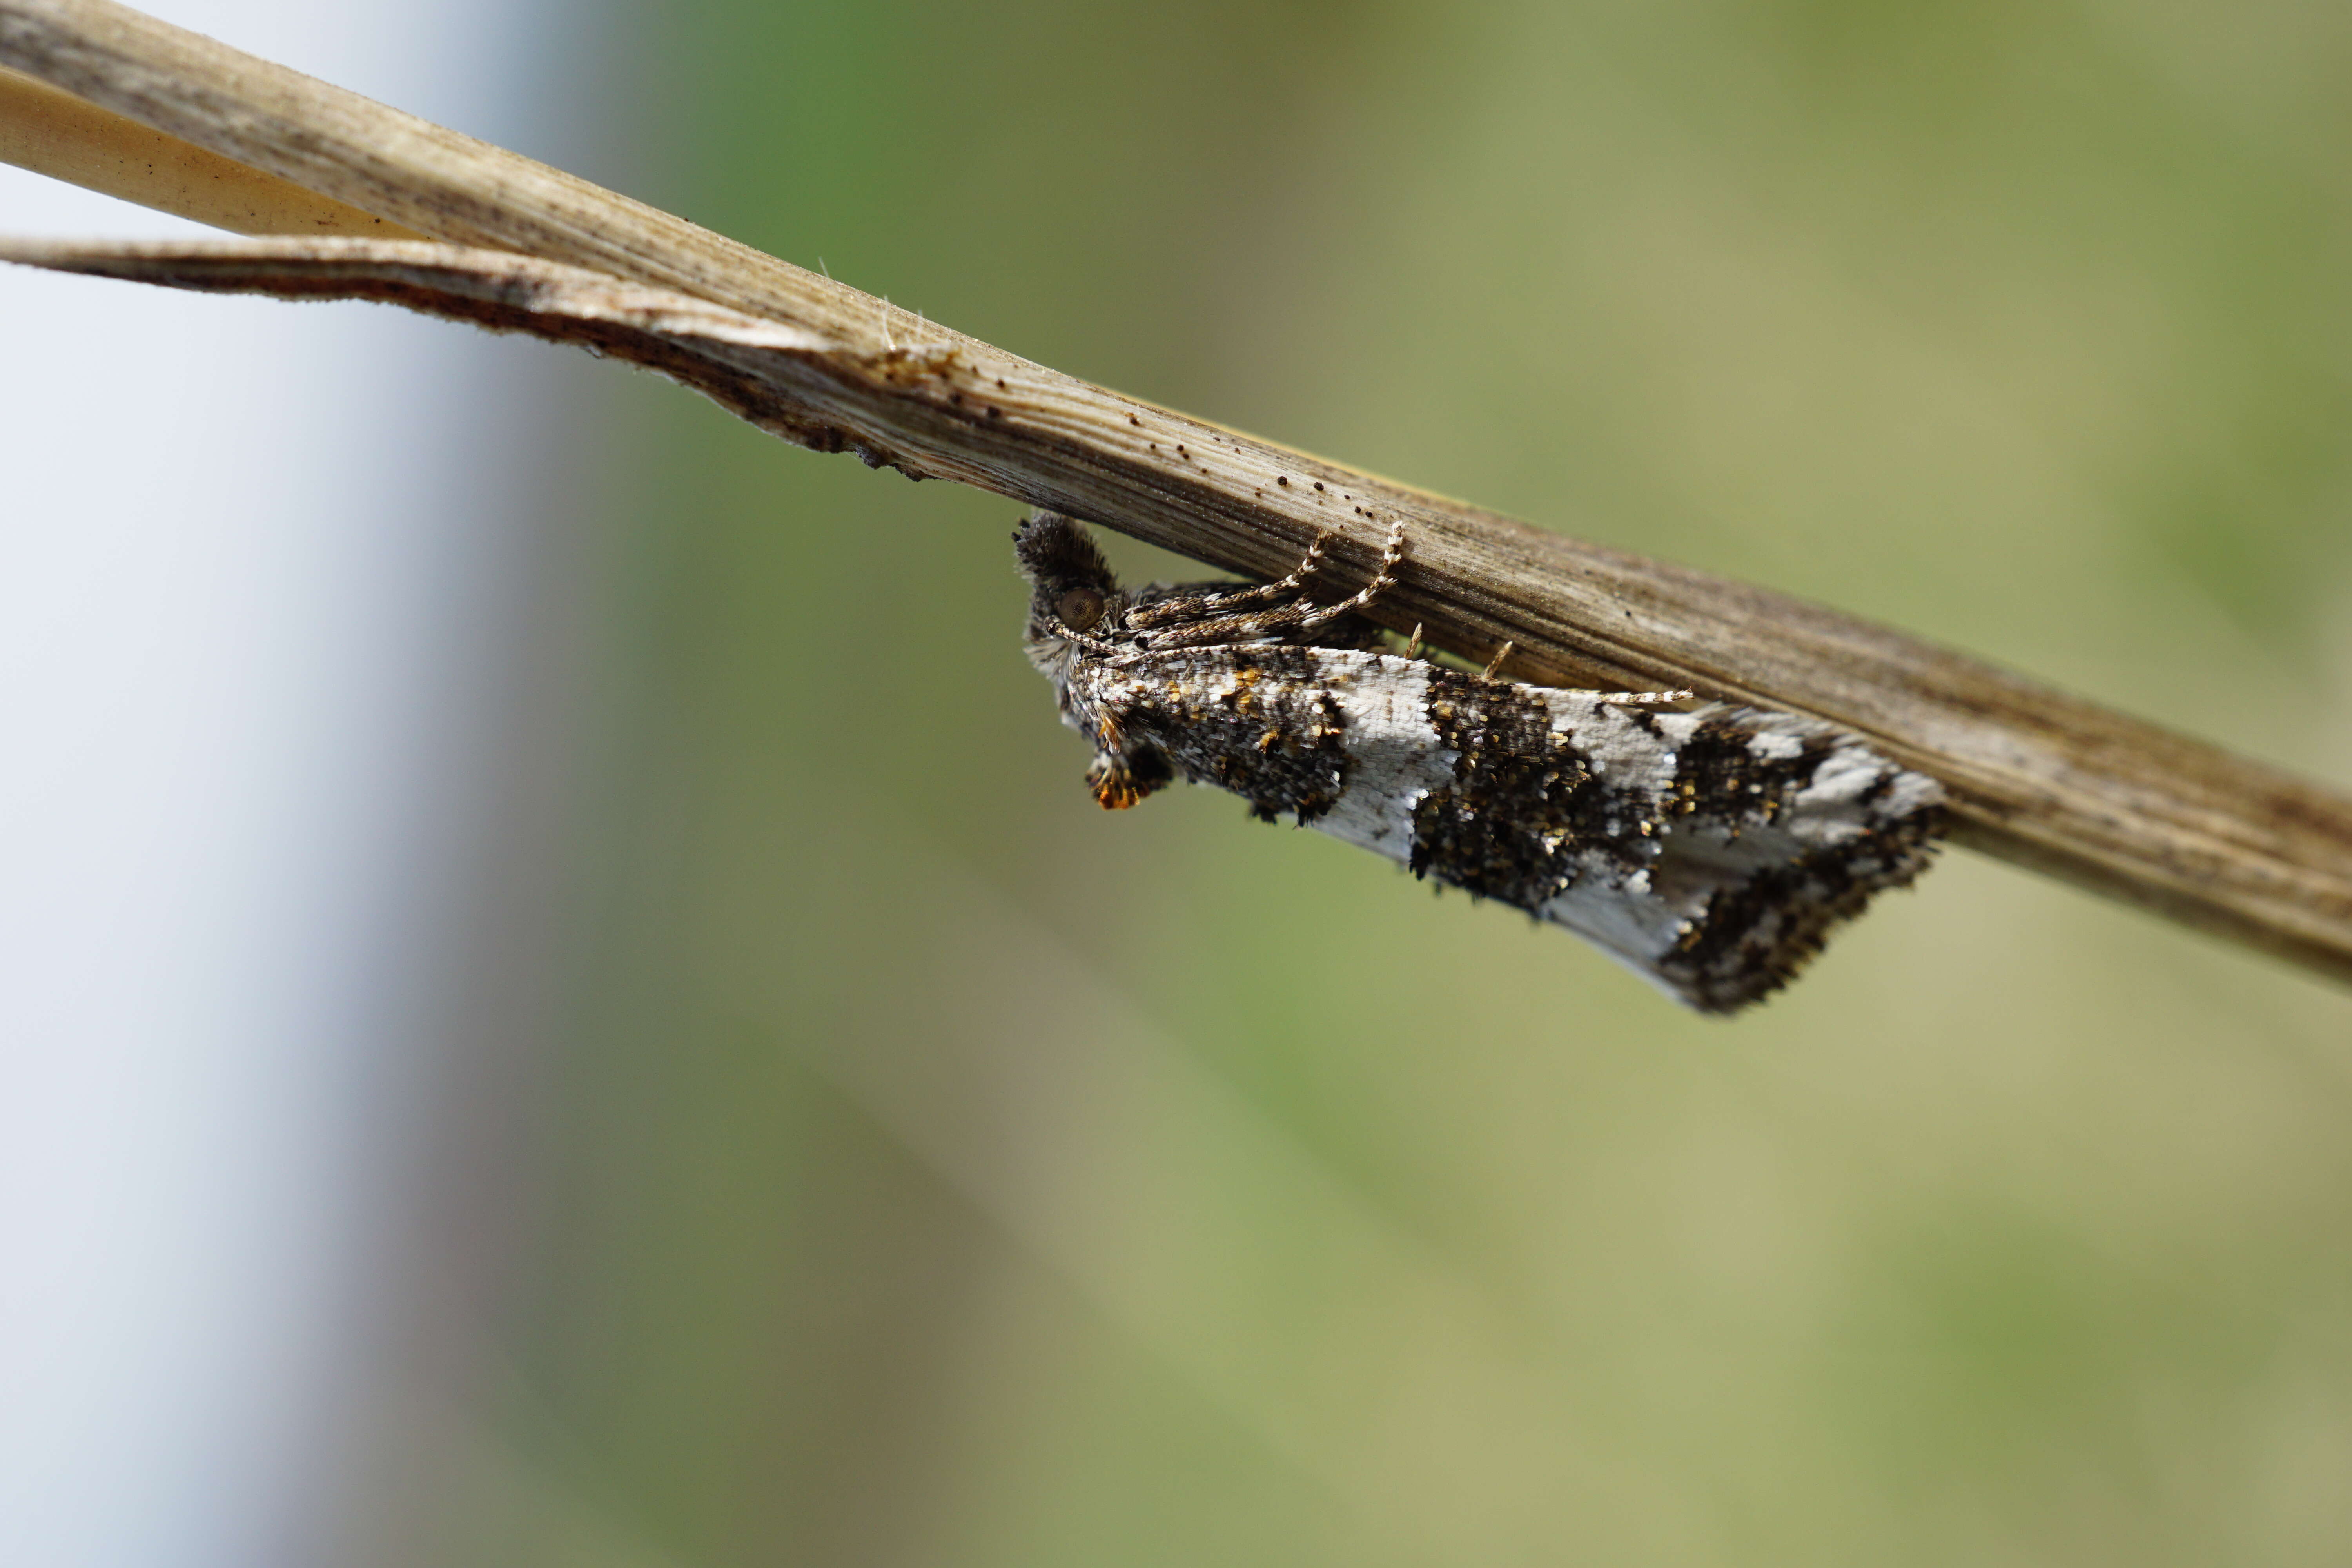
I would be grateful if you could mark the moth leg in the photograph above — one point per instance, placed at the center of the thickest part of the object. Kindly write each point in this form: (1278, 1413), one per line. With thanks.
(1383, 579)
(1624, 698)
(1291, 617)
(1215, 601)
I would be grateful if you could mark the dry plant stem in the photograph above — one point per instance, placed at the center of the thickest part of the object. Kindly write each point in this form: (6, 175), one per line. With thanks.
(2039, 777)
(55, 133)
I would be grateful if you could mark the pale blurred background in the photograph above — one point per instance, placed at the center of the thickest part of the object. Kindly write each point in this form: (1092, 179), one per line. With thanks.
(698, 1082)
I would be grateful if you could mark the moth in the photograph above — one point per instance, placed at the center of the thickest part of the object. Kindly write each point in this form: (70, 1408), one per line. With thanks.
(1709, 850)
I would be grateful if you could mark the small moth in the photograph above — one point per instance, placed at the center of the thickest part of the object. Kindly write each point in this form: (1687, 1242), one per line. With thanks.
(1708, 851)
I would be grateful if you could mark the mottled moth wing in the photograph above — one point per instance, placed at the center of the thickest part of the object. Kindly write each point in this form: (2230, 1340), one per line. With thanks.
(1709, 851)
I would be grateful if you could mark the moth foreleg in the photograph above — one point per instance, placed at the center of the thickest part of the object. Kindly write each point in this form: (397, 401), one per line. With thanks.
(1302, 618)
(1216, 601)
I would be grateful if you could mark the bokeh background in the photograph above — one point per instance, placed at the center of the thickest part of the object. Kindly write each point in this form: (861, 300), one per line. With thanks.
(849, 1145)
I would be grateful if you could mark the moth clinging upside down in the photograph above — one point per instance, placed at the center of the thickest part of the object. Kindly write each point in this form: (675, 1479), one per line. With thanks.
(1709, 850)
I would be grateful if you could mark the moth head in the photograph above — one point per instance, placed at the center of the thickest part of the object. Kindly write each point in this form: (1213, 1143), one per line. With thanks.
(1072, 589)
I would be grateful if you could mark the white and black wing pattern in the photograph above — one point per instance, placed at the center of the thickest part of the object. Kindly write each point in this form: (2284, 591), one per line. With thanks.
(1709, 851)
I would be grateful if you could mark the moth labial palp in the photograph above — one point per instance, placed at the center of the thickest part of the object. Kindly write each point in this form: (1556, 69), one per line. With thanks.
(1710, 850)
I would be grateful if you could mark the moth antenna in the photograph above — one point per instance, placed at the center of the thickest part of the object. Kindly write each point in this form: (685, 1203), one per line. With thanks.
(1496, 663)
(1413, 644)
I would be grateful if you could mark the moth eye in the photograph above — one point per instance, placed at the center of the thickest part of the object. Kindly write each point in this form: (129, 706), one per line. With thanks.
(1080, 608)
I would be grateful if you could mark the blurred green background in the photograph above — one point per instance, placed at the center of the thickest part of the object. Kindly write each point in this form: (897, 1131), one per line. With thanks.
(920, 1165)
